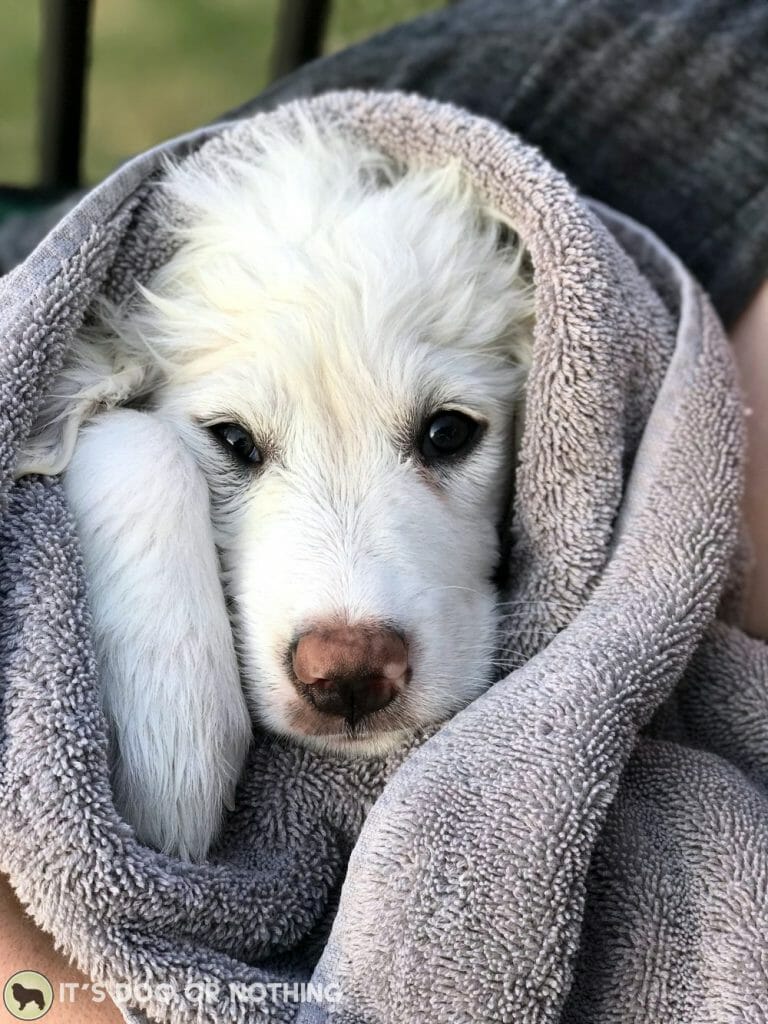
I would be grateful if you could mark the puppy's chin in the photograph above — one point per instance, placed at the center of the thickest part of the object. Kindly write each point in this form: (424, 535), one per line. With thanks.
(354, 743)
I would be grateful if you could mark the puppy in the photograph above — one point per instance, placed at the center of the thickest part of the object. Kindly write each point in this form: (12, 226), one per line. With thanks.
(288, 460)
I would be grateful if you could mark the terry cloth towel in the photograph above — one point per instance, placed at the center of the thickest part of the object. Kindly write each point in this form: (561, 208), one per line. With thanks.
(588, 841)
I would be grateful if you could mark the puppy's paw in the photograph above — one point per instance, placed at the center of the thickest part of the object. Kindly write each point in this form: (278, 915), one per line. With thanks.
(170, 682)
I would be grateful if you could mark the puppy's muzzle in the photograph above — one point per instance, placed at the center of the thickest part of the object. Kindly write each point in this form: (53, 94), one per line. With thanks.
(350, 671)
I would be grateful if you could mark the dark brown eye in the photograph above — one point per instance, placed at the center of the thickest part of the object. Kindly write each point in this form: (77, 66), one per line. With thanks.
(447, 435)
(238, 441)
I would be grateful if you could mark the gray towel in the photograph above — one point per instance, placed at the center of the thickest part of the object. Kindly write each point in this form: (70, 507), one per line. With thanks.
(588, 841)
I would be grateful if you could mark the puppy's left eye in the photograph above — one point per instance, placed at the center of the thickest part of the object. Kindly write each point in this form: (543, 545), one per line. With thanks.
(238, 441)
(447, 435)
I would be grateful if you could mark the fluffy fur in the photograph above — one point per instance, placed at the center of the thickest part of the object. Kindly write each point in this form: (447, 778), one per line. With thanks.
(329, 302)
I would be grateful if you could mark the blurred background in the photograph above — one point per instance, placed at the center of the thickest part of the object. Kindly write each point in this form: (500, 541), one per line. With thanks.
(157, 68)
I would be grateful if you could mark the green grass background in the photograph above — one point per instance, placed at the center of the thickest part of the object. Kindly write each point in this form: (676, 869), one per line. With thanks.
(158, 67)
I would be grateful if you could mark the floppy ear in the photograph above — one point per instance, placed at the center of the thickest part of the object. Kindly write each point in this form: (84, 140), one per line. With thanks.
(170, 680)
(100, 372)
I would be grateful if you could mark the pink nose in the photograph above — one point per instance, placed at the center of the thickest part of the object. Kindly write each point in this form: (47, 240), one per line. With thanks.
(350, 671)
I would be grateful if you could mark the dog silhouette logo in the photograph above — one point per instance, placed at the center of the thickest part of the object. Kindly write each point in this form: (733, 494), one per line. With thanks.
(28, 995)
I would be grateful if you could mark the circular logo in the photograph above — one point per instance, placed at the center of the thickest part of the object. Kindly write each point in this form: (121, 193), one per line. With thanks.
(28, 995)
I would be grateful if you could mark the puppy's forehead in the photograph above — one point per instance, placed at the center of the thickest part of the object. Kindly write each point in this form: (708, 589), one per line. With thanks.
(337, 383)
(345, 383)
(372, 302)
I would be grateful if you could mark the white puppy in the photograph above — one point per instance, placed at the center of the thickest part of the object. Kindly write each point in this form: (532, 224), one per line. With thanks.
(323, 381)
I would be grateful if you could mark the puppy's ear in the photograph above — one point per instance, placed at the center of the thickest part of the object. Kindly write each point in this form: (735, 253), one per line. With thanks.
(170, 680)
(99, 373)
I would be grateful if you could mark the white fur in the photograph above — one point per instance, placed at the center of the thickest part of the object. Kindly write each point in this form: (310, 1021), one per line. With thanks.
(171, 688)
(329, 301)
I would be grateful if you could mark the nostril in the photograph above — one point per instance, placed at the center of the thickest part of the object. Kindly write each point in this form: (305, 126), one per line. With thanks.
(350, 670)
(351, 698)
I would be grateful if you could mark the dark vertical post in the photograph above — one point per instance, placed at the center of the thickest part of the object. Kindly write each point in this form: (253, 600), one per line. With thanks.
(299, 34)
(63, 64)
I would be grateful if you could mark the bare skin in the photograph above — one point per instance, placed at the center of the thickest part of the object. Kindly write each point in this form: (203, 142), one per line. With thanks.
(750, 345)
(23, 946)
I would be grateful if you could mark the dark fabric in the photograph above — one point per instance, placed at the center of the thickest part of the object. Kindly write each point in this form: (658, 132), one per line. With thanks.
(657, 107)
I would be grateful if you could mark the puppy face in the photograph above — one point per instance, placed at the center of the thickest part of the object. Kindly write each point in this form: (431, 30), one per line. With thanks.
(342, 345)
(354, 426)
(356, 493)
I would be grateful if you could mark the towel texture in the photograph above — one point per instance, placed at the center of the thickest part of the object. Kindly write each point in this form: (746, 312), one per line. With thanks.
(656, 107)
(588, 841)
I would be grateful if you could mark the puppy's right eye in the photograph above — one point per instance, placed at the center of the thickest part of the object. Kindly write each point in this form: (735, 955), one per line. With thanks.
(447, 435)
(238, 441)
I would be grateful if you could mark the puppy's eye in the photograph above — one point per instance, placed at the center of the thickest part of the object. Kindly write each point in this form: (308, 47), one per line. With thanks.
(448, 434)
(238, 441)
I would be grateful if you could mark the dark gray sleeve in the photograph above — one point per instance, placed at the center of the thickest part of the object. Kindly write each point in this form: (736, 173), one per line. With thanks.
(657, 107)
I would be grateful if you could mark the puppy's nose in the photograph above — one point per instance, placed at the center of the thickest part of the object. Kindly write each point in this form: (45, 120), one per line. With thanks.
(350, 670)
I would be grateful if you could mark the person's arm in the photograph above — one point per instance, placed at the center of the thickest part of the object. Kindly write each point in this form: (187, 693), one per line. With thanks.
(750, 344)
(23, 947)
